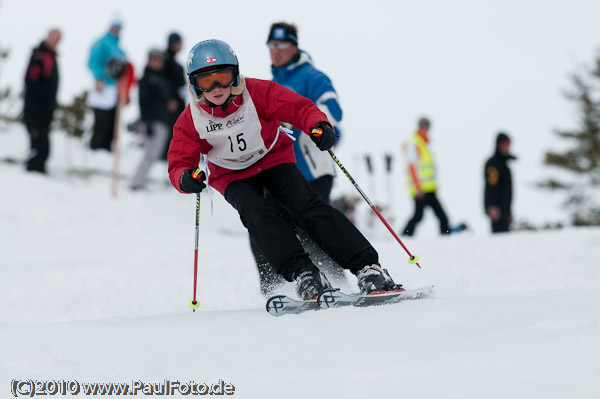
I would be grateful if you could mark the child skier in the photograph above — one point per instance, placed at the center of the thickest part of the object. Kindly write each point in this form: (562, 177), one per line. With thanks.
(235, 122)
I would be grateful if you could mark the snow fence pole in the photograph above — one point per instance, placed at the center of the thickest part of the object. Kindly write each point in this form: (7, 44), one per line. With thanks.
(123, 85)
(414, 259)
(116, 135)
(194, 304)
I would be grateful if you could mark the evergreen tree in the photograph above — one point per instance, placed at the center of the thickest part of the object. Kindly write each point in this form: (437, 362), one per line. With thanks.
(72, 117)
(581, 159)
(8, 101)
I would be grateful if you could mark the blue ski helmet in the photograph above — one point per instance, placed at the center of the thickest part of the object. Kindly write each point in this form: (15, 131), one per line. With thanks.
(207, 55)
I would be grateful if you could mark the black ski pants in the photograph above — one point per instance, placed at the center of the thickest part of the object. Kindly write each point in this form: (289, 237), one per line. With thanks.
(104, 129)
(276, 238)
(501, 225)
(429, 199)
(38, 127)
(269, 279)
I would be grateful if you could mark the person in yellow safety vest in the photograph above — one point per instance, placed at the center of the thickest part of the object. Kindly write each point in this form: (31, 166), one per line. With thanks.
(421, 179)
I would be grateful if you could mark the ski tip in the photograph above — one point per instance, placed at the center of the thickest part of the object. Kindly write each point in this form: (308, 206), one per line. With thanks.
(280, 305)
(269, 305)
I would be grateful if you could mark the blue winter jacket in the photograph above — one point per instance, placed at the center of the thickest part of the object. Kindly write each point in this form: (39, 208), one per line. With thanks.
(103, 50)
(301, 76)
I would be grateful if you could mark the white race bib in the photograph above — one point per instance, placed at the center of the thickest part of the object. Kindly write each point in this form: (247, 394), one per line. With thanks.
(236, 139)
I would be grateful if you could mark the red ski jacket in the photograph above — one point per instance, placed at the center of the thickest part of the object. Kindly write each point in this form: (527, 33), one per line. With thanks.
(274, 104)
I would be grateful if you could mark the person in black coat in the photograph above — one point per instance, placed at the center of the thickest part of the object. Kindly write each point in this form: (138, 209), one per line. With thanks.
(41, 86)
(153, 97)
(175, 76)
(498, 186)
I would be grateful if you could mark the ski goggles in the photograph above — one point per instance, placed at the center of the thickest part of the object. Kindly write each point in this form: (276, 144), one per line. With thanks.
(207, 81)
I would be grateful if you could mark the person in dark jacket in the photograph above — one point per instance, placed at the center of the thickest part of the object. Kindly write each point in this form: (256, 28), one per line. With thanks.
(175, 76)
(498, 186)
(41, 86)
(154, 99)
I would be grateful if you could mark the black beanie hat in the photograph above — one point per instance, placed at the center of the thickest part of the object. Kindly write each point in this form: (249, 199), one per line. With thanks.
(174, 38)
(501, 137)
(283, 32)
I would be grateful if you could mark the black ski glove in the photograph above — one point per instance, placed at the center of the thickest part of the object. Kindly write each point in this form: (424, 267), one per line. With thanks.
(323, 135)
(192, 181)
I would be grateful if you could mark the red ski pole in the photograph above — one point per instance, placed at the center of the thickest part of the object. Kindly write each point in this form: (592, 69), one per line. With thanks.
(194, 304)
(414, 259)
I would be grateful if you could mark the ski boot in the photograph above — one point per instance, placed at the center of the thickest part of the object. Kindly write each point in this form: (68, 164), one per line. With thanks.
(373, 279)
(310, 282)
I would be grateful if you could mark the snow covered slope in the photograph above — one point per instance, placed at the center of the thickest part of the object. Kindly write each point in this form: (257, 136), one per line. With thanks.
(95, 289)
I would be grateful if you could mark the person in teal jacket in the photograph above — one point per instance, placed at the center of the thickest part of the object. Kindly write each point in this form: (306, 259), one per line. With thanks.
(106, 62)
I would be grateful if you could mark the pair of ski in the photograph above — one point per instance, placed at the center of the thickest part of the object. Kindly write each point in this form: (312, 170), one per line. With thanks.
(280, 305)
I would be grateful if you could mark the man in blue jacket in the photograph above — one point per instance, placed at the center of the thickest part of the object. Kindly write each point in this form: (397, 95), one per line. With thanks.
(294, 69)
(106, 62)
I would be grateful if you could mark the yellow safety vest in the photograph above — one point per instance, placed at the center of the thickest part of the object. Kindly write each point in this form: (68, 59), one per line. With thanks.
(425, 168)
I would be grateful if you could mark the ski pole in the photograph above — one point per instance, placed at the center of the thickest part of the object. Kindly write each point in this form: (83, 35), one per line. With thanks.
(414, 259)
(194, 304)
